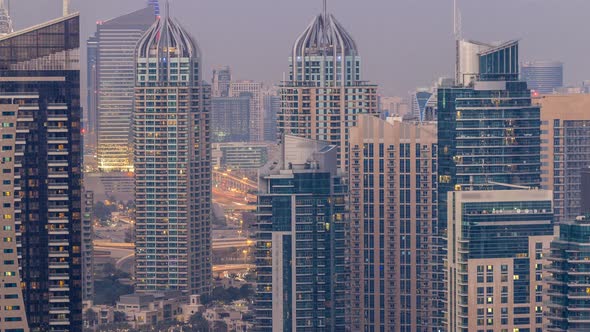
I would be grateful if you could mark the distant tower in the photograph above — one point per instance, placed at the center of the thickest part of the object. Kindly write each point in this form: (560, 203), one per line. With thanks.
(221, 81)
(114, 72)
(172, 163)
(5, 20)
(543, 77)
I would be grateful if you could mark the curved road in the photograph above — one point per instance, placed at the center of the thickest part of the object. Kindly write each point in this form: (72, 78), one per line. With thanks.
(125, 256)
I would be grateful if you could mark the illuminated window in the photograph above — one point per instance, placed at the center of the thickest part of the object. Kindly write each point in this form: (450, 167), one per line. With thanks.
(7, 216)
(9, 274)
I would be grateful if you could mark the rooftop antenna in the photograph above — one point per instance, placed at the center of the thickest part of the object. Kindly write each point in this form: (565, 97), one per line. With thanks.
(456, 21)
(66, 7)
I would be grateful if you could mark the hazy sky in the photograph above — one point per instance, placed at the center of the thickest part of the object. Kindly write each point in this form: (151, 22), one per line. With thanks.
(404, 44)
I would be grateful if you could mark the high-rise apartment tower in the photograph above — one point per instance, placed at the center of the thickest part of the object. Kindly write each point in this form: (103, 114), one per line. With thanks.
(172, 163)
(392, 179)
(42, 177)
(324, 93)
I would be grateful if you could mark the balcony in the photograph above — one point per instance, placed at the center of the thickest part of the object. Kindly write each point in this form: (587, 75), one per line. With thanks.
(59, 276)
(59, 299)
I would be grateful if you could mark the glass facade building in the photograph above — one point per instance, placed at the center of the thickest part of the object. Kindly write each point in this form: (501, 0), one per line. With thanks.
(115, 79)
(230, 119)
(420, 101)
(272, 107)
(498, 244)
(488, 130)
(569, 283)
(172, 163)
(300, 243)
(41, 173)
(543, 77)
(90, 119)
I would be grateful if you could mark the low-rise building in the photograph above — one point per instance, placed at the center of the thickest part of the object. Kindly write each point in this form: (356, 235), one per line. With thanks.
(151, 308)
(234, 316)
(192, 307)
(240, 155)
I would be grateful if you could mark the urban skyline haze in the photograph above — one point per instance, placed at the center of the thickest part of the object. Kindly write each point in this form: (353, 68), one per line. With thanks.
(397, 45)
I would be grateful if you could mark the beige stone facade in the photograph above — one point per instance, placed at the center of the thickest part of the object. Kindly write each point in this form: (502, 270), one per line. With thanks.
(325, 113)
(565, 151)
(392, 184)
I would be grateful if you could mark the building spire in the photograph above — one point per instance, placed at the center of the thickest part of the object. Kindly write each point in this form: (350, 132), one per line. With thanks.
(325, 9)
(66, 7)
(167, 9)
(457, 29)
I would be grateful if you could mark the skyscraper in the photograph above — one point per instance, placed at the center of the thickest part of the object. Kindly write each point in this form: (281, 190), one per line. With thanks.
(272, 107)
(392, 209)
(87, 246)
(300, 250)
(488, 129)
(91, 111)
(565, 135)
(5, 20)
(172, 163)
(420, 100)
(585, 192)
(543, 77)
(41, 177)
(498, 244)
(325, 93)
(254, 89)
(221, 81)
(489, 132)
(116, 39)
(230, 119)
(568, 284)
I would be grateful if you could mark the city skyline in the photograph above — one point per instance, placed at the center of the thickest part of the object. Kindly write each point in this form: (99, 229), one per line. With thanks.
(393, 48)
(307, 204)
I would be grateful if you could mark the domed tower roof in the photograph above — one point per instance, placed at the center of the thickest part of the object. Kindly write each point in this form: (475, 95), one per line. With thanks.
(166, 39)
(325, 44)
(325, 36)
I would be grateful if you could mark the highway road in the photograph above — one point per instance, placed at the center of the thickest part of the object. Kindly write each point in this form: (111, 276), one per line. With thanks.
(126, 260)
(217, 244)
